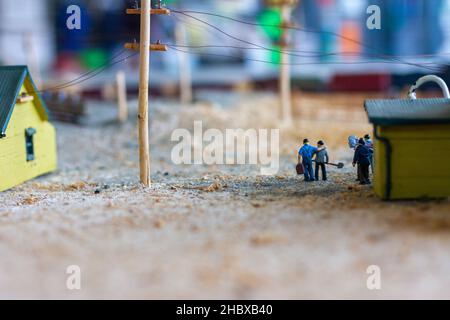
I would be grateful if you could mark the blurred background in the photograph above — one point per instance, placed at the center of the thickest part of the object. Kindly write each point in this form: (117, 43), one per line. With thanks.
(331, 47)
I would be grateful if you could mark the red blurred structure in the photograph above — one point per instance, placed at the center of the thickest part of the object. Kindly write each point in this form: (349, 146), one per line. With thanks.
(360, 83)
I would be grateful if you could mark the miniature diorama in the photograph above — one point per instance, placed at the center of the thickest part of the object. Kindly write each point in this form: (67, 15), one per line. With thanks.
(239, 149)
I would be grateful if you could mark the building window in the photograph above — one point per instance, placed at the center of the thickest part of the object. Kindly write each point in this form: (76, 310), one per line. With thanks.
(29, 143)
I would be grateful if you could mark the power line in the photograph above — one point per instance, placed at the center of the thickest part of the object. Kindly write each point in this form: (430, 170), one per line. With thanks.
(186, 13)
(176, 48)
(90, 72)
(241, 40)
(317, 55)
(265, 48)
(88, 75)
(313, 54)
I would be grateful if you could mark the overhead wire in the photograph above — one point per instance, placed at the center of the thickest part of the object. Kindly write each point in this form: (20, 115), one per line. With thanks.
(384, 56)
(90, 74)
(318, 55)
(177, 48)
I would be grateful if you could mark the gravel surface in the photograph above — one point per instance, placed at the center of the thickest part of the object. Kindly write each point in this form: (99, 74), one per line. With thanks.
(215, 232)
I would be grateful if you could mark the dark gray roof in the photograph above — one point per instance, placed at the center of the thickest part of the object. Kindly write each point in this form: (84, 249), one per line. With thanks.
(11, 81)
(406, 111)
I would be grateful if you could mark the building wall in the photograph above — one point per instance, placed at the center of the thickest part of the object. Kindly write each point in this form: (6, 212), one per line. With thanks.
(419, 161)
(14, 168)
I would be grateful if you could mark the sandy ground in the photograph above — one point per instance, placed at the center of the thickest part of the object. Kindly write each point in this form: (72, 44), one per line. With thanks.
(225, 232)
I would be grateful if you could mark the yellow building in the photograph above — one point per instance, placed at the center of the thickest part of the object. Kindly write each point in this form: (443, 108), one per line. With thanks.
(412, 147)
(27, 138)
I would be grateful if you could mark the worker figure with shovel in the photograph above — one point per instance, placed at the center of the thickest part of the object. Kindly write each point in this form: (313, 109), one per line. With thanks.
(322, 160)
(305, 156)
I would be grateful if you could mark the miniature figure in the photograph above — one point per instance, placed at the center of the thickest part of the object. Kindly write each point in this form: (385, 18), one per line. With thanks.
(305, 156)
(321, 160)
(353, 144)
(362, 158)
(27, 138)
(369, 144)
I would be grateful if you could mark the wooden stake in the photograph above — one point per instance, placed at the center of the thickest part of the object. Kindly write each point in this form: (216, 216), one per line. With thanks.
(32, 58)
(122, 110)
(184, 67)
(285, 70)
(144, 69)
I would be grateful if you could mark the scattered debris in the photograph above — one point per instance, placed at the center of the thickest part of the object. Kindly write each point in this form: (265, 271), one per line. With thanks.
(30, 200)
(159, 223)
(264, 239)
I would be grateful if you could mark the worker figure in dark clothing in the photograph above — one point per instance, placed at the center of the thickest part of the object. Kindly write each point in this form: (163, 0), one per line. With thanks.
(322, 159)
(362, 158)
(305, 156)
(353, 143)
(369, 144)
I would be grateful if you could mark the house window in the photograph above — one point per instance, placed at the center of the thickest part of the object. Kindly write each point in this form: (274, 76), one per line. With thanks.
(29, 143)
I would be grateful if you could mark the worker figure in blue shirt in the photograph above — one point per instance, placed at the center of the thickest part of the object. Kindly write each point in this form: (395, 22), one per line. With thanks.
(305, 156)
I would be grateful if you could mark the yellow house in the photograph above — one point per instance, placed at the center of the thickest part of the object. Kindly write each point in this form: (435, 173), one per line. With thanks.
(412, 147)
(27, 138)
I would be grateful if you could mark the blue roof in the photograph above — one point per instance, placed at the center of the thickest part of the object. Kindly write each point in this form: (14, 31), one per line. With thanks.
(12, 79)
(405, 111)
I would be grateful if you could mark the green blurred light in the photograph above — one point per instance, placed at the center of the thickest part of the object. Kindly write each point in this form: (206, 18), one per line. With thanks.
(268, 18)
(93, 58)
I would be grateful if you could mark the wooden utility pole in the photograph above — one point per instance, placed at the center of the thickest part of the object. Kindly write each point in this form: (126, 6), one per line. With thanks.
(144, 48)
(122, 103)
(184, 68)
(285, 92)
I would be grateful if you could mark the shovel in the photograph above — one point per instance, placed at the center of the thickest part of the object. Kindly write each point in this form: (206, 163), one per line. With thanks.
(339, 165)
(300, 170)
